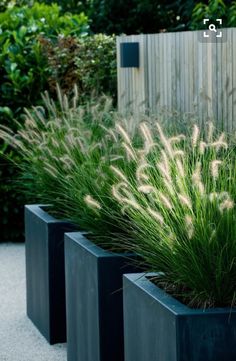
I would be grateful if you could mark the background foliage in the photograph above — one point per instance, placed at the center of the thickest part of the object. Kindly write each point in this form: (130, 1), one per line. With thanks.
(214, 9)
(138, 16)
(152, 16)
(23, 66)
(89, 62)
(143, 16)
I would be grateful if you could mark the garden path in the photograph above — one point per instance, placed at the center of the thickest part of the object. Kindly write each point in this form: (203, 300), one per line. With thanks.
(19, 339)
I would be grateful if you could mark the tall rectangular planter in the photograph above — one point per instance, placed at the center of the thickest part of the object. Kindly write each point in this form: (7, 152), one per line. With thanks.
(94, 300)
(160, 328)
(45, 272)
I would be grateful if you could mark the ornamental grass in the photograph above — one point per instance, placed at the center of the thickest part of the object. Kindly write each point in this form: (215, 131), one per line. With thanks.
(67, 152)
(181, 203)
(133, 186)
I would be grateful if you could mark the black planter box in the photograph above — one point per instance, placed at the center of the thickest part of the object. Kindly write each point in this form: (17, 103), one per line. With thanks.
(94, 300)
(45, 272)
(160, 328)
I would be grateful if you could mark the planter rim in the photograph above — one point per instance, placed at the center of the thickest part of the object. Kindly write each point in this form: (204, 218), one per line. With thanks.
(38, 209)
(80, 238)
(168, 301)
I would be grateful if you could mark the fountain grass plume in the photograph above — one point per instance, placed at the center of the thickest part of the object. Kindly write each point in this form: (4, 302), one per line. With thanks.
(185, 225)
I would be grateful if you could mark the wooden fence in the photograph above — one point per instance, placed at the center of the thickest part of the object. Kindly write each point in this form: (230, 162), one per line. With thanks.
(179, 73)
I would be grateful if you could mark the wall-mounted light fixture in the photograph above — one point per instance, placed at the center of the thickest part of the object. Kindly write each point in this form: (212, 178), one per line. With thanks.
(129, 55)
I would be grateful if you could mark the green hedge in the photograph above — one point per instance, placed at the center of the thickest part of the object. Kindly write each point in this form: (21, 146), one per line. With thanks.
(23, 66)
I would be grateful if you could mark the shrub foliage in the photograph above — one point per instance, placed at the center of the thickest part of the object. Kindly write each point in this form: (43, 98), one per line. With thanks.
(89, 62)
(23, 66)
(214, 9)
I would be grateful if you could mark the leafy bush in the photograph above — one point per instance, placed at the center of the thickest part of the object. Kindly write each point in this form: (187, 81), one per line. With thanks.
(223, 9)
(5, 4)
(72, 6)
(89, 62)
(23, 67)
(136, 16)
(181, 200)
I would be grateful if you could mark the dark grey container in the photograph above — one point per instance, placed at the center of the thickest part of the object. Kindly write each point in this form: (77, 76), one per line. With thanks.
(94, 300)
(158, 327)
(45, 272)
(129, 55)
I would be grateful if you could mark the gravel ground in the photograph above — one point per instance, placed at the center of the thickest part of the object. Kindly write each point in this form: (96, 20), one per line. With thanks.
(19, 339)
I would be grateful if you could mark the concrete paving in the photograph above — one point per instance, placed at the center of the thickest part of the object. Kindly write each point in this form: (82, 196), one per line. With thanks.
(19, 339)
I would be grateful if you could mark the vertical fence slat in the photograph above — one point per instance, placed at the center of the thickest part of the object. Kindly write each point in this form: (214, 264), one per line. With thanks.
(234, 78)
(229, 105)
(214, 84)
(224, 77)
